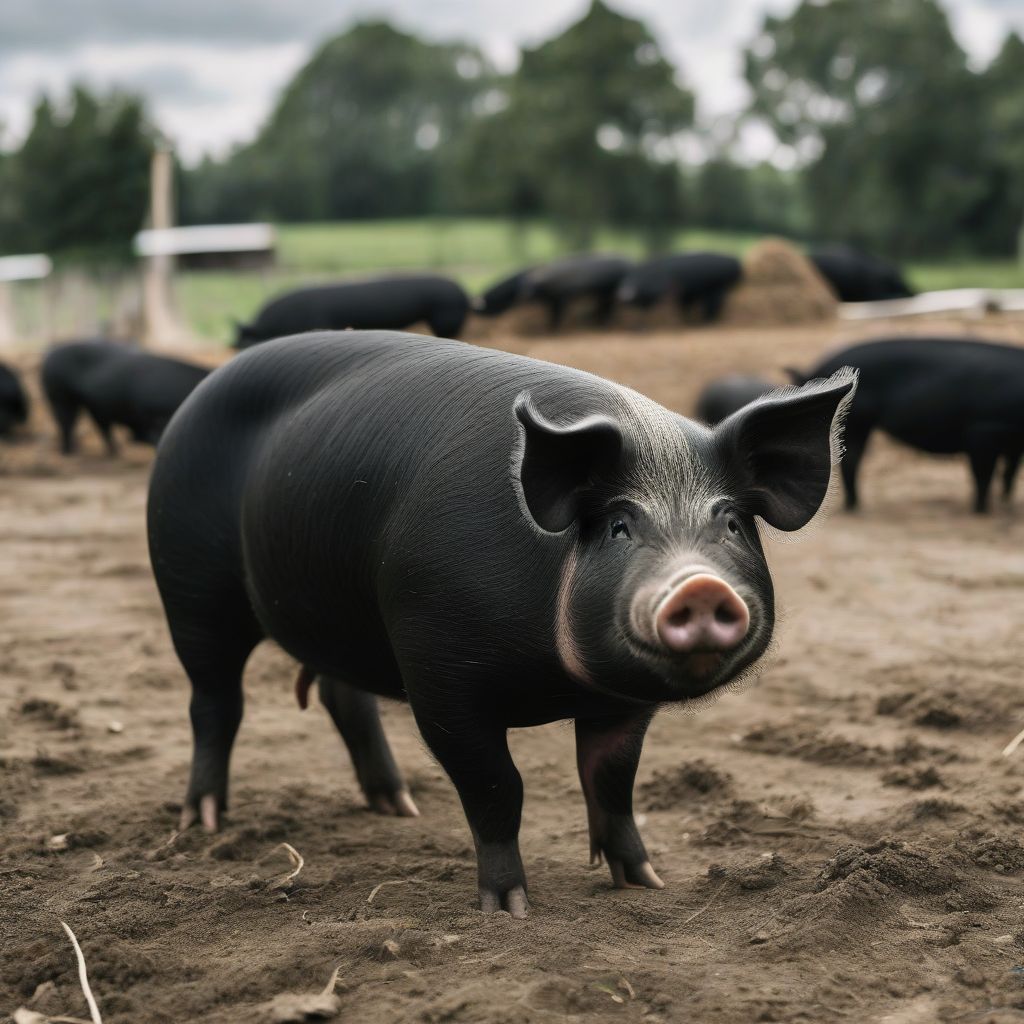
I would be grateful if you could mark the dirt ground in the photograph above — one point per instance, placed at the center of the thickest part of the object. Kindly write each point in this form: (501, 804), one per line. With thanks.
(840, 841)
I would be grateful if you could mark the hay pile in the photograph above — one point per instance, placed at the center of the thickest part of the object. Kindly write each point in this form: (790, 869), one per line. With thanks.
(780, 286)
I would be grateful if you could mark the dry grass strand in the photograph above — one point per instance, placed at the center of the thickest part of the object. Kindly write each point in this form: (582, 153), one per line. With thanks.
(83, 977)
(298, 863)
(1013, 744)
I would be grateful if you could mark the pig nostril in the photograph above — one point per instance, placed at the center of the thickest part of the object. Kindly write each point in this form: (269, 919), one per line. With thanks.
(681, 617)
(726, 614)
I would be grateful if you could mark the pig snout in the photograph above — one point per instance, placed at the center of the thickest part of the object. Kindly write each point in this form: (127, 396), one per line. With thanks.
(702, 613)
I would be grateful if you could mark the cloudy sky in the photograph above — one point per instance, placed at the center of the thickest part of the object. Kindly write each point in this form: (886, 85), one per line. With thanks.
(211, 68)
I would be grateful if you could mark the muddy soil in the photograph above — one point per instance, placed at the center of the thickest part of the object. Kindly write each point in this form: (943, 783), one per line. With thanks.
(840, 841)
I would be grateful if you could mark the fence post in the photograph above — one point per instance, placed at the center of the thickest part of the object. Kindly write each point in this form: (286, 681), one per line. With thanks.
(8, 334)
(161, 325)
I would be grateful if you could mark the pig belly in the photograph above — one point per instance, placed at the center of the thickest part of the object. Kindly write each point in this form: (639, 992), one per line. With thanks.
(334, 636)
(927, 426)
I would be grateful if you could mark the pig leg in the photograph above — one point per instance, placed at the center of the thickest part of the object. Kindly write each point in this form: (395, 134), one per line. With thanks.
(983, 467)
(607, 754)
(356, 716)
(108, 437)
(712, 304)
(604, 307)
(556, 312)
(66, 414)
(214, 664)
(103, 425)
(856, 443)
(475, 755)
(685, 302)
(1011, 464)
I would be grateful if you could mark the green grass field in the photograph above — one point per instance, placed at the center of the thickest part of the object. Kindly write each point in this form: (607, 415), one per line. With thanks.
(475, 251)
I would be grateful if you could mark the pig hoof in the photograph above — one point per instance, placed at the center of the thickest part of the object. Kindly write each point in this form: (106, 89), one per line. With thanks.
(208, 813)
(634, 876)
(514, 901)
(398, 804)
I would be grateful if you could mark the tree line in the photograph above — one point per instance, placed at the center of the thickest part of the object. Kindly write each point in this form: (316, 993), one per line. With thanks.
(894, 142)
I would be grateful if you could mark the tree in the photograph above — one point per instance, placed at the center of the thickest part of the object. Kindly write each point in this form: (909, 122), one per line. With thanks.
(585, 127)
(380, 123)
(879, 103)
(778, 201)
(80, 181)
(1004, 94)
(736, 197)
(361, 131)
(10, 223)
(722, 195)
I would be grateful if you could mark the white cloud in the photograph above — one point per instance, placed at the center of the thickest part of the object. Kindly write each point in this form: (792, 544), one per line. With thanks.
(211, 68)
(981, 27)
(204, 97)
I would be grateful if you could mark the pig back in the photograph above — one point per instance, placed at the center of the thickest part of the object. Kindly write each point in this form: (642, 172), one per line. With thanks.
(932, 392)
(381, 498)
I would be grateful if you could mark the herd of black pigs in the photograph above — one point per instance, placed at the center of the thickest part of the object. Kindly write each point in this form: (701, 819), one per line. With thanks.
(499, 541)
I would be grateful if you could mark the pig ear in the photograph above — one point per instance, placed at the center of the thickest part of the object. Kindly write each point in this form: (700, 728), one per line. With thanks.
(783, 446)
(560, 461)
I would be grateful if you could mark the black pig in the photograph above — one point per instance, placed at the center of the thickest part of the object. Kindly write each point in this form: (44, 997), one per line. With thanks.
(389, 303)
(555, 285)
(141, 392)
(13, 401)
(726, 395)
(699, 282)
(501, 296)
(857, 277)
(500, 541)
(938, 395)
(62, 373)
(116, 385)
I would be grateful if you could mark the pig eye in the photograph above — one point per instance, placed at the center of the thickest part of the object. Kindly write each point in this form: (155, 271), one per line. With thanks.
(619, 529)
(721, 511)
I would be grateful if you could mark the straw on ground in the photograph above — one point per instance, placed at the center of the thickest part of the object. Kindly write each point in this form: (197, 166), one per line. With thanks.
(83, 977)
(1013, 744)
(298, 862)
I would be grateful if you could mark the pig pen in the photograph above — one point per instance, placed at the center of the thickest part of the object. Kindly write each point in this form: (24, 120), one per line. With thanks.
(840, 841)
